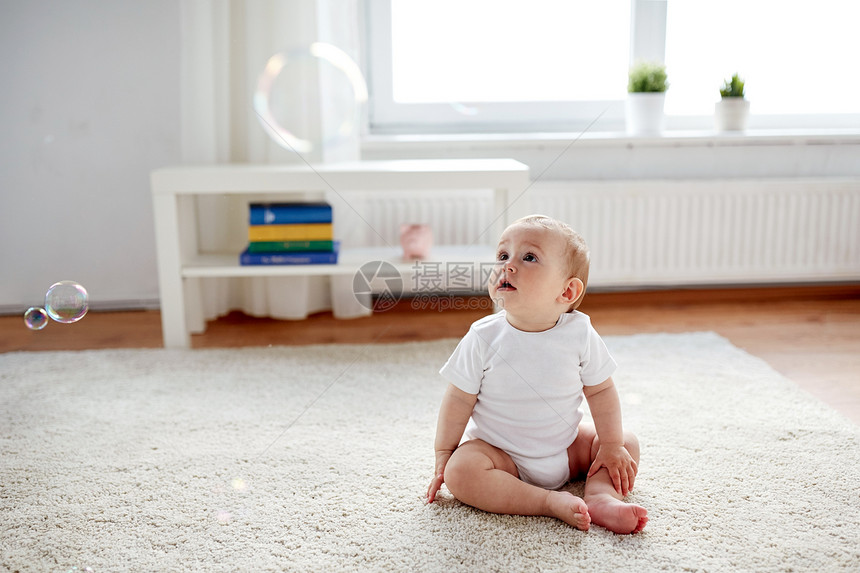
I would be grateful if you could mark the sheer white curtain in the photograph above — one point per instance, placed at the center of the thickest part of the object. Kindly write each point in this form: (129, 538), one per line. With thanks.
(225, 45)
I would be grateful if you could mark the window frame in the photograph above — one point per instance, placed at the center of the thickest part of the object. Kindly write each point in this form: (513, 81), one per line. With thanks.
(647, 42)
(385, 116)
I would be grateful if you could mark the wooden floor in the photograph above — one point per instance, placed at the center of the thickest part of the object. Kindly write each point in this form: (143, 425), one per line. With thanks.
(811, 334)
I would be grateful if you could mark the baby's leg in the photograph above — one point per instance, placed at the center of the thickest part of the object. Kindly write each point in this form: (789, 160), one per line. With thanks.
(605, 504)
(485, 477)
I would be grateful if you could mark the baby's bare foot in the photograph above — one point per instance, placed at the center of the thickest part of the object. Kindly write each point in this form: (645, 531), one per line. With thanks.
(568, 508)
(616, 515)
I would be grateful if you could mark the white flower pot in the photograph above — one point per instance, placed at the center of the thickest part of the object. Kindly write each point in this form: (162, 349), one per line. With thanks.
(644, 113)
(731, 114)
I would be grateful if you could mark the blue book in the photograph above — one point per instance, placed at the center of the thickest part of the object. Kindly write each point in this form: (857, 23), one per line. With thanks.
(306, 258)
(289, 213)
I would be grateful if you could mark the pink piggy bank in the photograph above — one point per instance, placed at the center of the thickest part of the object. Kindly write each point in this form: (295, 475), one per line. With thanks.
(416, 241)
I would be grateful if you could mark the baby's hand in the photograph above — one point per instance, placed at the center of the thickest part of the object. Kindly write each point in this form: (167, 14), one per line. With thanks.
(620, 464)
(435, 485)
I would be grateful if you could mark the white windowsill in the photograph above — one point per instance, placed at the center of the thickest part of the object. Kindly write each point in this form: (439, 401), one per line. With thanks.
(669, 138)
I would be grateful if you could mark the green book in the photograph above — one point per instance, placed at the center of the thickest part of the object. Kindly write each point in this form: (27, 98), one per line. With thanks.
(289, 246)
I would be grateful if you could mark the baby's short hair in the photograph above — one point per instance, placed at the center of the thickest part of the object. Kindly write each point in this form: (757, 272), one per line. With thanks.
(576, 250)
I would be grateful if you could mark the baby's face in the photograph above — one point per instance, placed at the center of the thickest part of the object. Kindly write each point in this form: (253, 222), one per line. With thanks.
(530, 274)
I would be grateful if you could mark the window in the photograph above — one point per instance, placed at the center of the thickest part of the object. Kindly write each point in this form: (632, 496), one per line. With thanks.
(795, 56)
(535, 51)
(561, 65)
(497, 64)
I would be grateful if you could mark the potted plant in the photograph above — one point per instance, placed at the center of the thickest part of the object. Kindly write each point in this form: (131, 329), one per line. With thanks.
(646, 87)
(732, 111)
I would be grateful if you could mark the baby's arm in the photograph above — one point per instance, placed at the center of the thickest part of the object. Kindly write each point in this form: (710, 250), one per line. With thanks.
(453, 416)
(606, 411)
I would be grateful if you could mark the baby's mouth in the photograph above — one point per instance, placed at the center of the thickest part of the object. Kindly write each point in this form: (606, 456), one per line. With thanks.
(505, 285)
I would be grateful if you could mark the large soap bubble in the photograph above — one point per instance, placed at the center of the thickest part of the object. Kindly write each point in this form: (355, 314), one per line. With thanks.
(66, 301)
(309, 70)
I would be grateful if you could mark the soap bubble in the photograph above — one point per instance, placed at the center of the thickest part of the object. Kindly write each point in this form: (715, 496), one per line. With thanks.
(299, 74)
(36, 318)
(66, 302)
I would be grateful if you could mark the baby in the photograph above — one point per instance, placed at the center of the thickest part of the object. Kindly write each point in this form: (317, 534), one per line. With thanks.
(509, 434)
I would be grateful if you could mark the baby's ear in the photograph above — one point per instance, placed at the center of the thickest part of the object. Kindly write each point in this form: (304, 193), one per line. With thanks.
(572, 291)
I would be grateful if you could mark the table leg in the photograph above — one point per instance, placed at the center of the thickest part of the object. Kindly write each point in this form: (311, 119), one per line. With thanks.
(168, 247)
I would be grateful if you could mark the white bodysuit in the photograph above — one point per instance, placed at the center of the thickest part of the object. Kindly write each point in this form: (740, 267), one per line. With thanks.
(529, 387)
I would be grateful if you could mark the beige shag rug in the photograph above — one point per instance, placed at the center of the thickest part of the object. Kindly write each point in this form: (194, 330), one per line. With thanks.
(317, 458)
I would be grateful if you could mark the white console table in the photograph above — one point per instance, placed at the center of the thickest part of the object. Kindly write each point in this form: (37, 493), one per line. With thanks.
(173, 190)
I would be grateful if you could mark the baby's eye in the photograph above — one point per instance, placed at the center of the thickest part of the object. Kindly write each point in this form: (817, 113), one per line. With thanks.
(529, 258)
(502, 257)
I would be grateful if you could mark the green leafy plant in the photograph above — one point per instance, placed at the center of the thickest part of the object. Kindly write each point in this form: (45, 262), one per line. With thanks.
(733, 87)
(647, 77)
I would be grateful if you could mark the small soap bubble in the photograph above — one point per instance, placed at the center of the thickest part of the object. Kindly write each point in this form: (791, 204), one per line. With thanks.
(239, 484)
(66, 302)
(36, 318)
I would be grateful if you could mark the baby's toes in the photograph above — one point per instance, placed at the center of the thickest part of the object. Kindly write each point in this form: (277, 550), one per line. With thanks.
(571, 509)
(581, 520)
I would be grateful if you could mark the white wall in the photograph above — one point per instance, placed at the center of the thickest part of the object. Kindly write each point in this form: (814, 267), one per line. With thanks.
(89, 105)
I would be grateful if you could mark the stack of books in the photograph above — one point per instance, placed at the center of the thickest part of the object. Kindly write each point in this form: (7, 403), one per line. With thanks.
(290, 234)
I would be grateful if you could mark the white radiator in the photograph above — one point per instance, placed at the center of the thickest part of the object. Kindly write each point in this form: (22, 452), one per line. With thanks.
(712, 232)
(661, 233)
